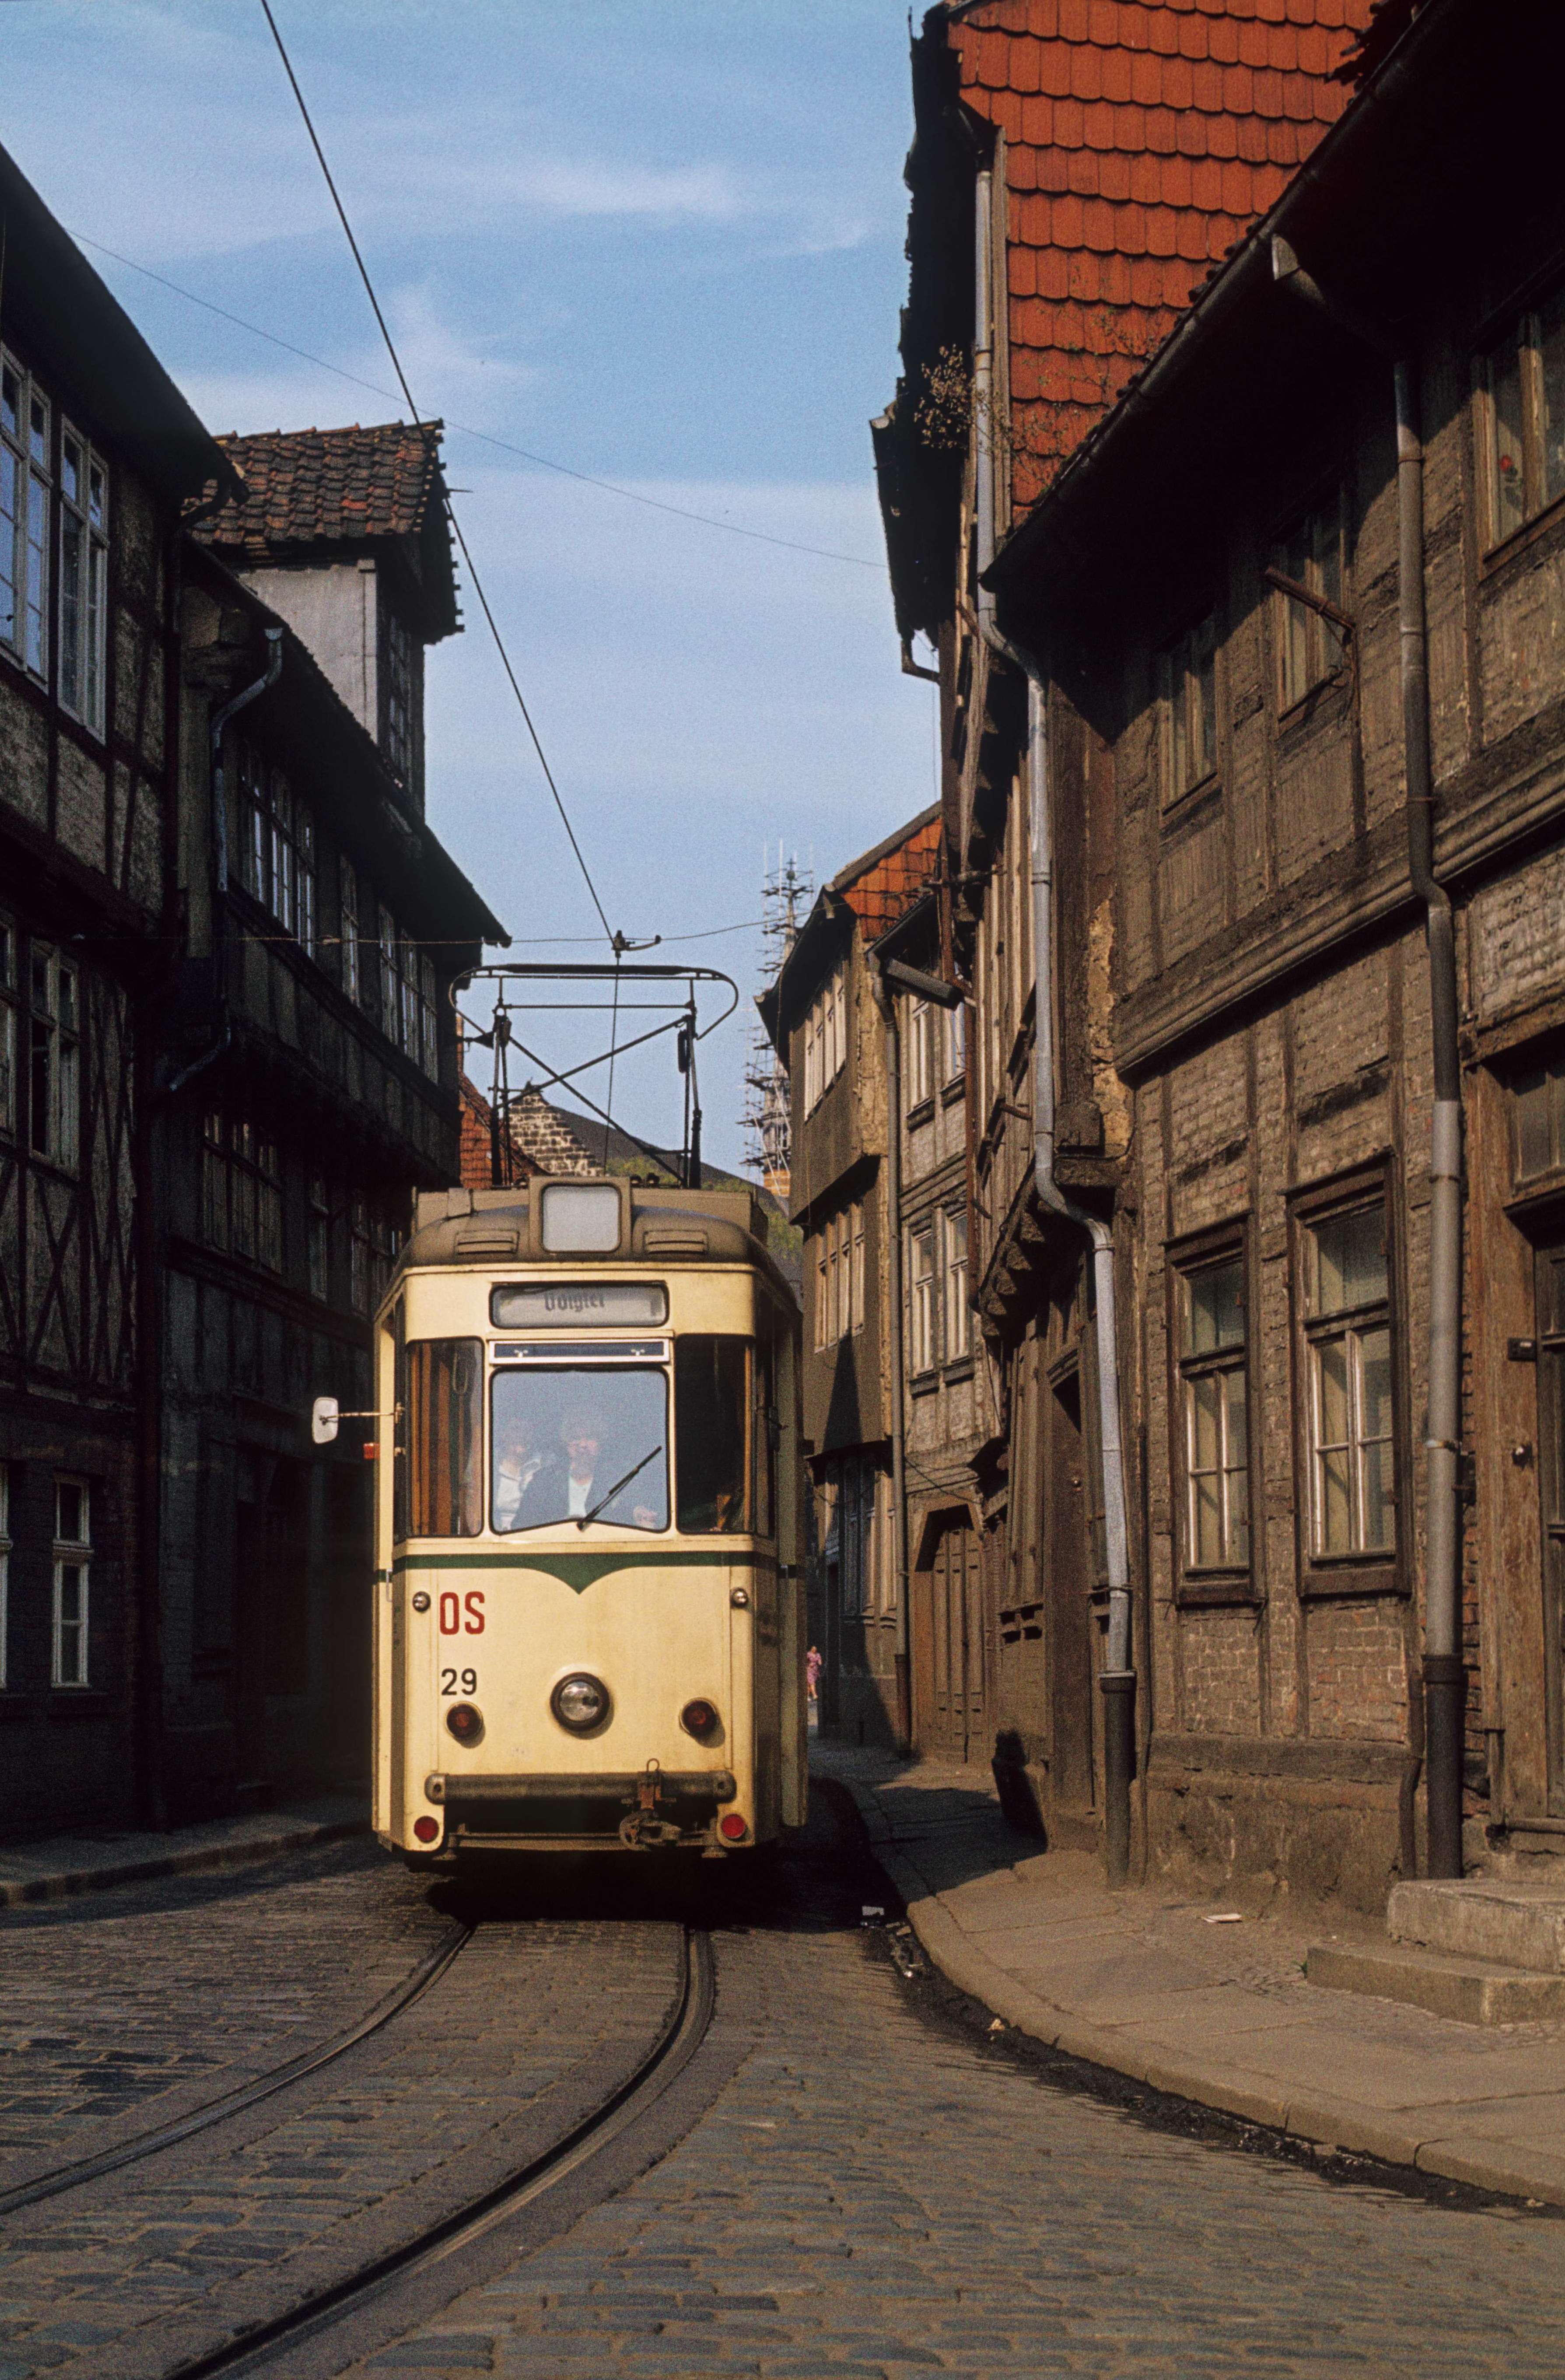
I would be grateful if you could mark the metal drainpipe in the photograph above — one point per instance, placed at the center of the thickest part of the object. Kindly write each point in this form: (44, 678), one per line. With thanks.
(886, 1000)
(1444, 1675)
(220, 720)
(1117, 1678)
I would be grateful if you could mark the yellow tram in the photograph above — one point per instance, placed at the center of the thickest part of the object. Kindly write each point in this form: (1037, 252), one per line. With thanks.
(589, 1629)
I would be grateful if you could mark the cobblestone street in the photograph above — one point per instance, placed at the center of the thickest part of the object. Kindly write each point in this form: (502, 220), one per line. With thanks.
(851, 2177)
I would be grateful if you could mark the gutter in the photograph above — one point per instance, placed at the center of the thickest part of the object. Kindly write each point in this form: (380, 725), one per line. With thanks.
(886, 1002)
(220, 720)
(1445, 1677)
(1117, 1678)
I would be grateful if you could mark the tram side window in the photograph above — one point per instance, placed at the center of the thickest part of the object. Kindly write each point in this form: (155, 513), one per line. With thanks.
(444, 1425)
(714, 1418)
(764, 1438)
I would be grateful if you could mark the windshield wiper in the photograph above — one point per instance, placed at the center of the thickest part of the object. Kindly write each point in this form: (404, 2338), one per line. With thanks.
(619, 1483)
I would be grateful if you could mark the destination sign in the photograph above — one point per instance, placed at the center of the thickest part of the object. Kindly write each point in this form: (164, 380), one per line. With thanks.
(577, 1305)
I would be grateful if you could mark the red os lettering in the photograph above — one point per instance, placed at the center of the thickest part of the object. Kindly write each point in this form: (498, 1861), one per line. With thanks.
(450, 1614)
(474, 1601)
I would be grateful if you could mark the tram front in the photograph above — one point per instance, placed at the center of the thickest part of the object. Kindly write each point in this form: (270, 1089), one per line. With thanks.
(589, 1622)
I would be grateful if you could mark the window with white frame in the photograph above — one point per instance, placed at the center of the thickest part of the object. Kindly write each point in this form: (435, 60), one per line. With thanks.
(401, 695)
(1189, 688)
(1348, 1338)
(349, 972)
(408, 1013)
(276, 846)
(1522, 380)
(1213, 1393)
(855, 1267)
(241, 1190)
(318, 1237)
(24, 517)
(857, 1537)
(955, 1042)
(73, 1571)
(4, 1569)
(958, 1316)
(923, 1023)
(373, 1243)
(8, 1087)
(429, 1019)
(84, 579)
(1311, 641)
(825, 1038)
(923, 1295)
(54, 1058)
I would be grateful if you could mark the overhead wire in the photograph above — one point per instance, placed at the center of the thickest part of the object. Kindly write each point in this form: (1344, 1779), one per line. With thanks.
(488, 437)
(450, 508)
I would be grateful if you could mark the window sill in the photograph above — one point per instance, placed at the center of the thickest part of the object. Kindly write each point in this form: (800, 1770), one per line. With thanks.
(1180, 807)
(80, 1701)
(1519, 541)
(1323, 1580)
(1299, 716)
(954, 1092)
(924, 1384)
(1209, 1590)
(961, 1367)
(921, 1112)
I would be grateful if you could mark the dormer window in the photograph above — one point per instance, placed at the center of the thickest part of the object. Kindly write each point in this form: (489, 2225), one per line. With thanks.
(400, 696)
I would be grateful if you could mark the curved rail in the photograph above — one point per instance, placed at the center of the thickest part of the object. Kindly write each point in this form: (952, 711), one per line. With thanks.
(681, 2037)
(247, 2095)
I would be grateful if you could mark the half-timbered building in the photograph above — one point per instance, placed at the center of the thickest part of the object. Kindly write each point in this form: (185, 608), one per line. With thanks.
(98, 453)
(311, 1083)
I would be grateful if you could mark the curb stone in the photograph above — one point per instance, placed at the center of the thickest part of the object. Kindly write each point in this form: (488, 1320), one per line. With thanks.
(1321, 2122)
(66, 1884)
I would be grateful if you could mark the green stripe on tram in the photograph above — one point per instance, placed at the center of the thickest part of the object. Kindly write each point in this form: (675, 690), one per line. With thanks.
(578, 1572)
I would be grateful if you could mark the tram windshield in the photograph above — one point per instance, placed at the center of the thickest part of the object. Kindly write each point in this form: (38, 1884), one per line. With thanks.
(575, 1443)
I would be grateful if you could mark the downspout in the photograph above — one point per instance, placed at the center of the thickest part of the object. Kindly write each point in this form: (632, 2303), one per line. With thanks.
(1117, 1679)
(886, 1000)
(220, 720)
(1445, 1678)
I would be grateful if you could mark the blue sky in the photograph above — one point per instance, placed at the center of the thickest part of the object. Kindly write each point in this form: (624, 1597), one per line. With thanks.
(660, 244)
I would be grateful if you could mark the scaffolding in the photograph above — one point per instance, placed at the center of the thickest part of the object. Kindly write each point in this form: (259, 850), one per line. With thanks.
(786, 892)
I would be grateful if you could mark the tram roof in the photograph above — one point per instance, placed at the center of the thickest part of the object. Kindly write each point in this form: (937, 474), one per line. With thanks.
(671, 1227)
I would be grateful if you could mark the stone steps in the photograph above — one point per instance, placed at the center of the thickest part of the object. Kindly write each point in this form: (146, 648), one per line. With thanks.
(1472, 1990)
(1485, 1950)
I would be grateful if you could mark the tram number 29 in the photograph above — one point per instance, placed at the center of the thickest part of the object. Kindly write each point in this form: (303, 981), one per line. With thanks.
(462, 1615)
(453, 1682)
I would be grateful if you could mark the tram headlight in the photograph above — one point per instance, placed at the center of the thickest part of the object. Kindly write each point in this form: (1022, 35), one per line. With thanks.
(580, 1703)
(699, 1718)
(465, 1722)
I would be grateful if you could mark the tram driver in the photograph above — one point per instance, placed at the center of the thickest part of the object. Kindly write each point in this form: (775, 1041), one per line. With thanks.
(590, 1475)
(528, 1476)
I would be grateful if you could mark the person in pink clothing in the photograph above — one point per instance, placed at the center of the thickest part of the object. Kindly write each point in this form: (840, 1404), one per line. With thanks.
(812, 1673)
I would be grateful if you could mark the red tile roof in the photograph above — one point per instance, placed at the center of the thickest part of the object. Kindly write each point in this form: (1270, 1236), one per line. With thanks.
(1142, 141)
(327, 487)
(884, 884)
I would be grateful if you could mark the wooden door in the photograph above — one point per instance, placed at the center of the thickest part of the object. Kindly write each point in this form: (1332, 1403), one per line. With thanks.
(1551, 1278)
(1069, 1632)
(951, 1708)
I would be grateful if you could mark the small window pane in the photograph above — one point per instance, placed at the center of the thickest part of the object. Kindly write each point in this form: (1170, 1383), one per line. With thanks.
(1216, 1308)
(1351, 1260)
(1510, 465)
(1533, 1154)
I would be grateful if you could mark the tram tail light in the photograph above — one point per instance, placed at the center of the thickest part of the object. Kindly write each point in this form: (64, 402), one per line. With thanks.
(465, 1722)
(732, 1826)
(426, 1829)
(699, 1718)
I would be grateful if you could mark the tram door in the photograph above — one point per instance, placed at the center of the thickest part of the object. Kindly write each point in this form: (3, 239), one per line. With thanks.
(950, 1711)
(1551, 1264)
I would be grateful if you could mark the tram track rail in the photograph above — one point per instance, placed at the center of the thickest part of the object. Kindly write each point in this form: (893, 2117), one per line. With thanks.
(679, 2038)
(224, 2108)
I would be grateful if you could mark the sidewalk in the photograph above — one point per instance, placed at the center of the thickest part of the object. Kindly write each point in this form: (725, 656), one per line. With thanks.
(1144, 1983)
(62, 1866)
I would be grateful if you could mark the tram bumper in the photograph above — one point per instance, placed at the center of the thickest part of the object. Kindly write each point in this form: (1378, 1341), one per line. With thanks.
(564, 1812)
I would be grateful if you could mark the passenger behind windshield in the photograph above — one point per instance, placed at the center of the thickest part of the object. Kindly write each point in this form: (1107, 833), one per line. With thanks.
(579, 1445)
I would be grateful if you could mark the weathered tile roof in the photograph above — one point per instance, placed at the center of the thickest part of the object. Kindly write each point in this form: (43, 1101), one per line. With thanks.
(886, 882)
(327, 487)
(1142, 141)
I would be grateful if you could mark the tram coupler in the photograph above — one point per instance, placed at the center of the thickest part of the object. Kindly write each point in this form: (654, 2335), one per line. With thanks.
(644, 1828)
